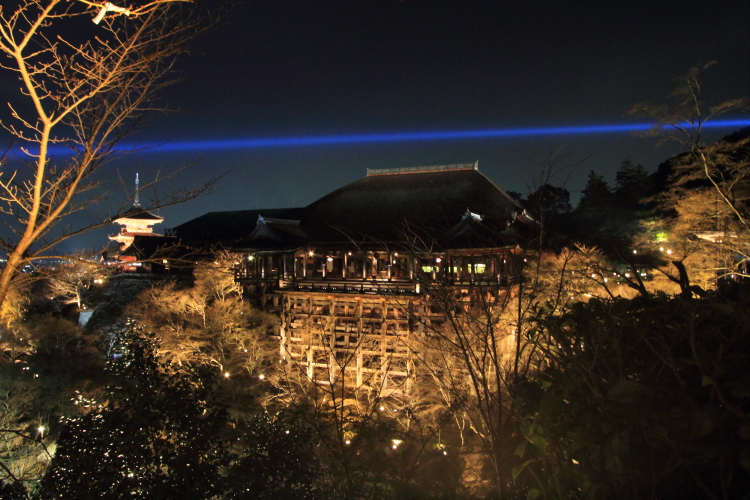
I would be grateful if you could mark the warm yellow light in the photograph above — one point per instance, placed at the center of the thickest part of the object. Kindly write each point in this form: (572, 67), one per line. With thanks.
(438, 260)
(262, 377)
(310, 253)
(226, 374)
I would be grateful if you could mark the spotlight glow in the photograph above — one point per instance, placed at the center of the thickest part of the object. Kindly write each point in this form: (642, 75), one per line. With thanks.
(332, 140)
(446, 135)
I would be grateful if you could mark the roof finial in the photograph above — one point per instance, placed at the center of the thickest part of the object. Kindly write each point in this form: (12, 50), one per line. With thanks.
(137, 201)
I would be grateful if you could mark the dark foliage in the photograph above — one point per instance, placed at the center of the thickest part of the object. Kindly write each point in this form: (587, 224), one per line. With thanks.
(611, 219)
(158, 434)
(12, 491)
(277, 462)
(642, 398)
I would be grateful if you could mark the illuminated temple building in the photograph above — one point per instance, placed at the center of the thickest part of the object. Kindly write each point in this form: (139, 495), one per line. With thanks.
(343, 271)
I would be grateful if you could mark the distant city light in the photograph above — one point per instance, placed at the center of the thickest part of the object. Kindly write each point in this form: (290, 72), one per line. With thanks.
(333, 140)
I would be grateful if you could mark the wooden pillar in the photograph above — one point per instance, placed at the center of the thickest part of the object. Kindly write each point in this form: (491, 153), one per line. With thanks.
(345, 267)
(310, 358)
(390, 265)
(332, 364)
(360, 343)
(304, 262)
(383, 347)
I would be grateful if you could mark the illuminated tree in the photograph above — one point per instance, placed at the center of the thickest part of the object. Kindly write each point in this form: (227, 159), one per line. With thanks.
(710, 185)
(208, 322)
(83, 86)
(23, 455)
(12, 310)
(72, 281)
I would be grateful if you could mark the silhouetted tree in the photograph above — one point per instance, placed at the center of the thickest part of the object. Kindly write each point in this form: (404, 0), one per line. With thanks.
(278, 461)
(596, 196)
(632, 184)
(640, 398)
(156, 435)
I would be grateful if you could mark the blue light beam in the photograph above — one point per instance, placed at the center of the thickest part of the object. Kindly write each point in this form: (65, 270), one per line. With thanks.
(333, 140)
(449, 135)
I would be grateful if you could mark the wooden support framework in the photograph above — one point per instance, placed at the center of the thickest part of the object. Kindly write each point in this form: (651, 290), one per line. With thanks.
(362, 340)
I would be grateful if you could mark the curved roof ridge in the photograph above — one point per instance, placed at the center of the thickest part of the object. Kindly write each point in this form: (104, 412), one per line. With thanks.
(512, 200)
(415, 170)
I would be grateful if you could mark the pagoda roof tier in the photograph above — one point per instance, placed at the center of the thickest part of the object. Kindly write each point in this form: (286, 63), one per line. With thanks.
(137, 213)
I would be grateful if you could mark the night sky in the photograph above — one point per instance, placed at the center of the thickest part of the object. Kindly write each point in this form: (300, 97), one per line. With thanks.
(282, 68)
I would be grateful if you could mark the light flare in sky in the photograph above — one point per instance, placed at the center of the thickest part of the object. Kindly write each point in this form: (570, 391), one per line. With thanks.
(344, 139)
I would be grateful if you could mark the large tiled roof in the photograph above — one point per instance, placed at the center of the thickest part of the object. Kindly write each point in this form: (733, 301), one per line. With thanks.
(380, 208)
(229, 227)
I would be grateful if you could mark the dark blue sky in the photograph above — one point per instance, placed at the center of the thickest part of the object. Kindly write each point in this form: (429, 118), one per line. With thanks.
(280, 68)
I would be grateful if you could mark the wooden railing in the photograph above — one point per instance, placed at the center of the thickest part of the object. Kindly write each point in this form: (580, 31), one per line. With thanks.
(376, 286)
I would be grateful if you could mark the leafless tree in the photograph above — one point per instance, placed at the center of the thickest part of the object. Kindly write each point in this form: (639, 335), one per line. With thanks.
(710, 185)
(83, 86)
(477, 347)
(209, 322)
(72, 280)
